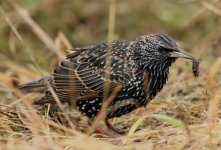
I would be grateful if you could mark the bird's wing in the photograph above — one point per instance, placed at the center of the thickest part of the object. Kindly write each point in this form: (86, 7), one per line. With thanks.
(85, 70)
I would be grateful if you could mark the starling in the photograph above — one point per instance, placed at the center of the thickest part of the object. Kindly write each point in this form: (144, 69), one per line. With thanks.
(140, 67)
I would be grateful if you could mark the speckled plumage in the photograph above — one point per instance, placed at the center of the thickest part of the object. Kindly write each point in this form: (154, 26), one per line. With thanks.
(141, 67)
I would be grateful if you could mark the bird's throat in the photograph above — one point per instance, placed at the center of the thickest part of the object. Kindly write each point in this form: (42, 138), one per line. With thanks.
(157, 75)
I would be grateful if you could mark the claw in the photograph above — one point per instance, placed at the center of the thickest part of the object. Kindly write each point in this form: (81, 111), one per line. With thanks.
(115, 128)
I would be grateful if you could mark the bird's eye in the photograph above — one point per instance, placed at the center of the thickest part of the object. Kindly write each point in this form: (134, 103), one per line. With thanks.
(165, 49)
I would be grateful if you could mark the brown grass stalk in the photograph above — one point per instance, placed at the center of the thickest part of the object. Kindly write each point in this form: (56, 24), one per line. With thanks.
(214, 102)
(211, 7)
(34, 121)
(103, 110)
(21, 40)
(60, 105)
(198, 14)
(107, 100)
(43, 36)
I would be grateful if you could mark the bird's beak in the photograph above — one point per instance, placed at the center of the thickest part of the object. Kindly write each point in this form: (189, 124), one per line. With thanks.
(180, 53)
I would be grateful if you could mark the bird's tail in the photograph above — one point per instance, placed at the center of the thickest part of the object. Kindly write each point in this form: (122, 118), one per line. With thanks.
(39, 85)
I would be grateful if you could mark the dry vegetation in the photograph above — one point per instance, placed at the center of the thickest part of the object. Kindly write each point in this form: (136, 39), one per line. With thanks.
(35, 35)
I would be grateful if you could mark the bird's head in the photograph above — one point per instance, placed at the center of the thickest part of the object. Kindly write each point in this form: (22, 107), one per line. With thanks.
(153, 55)
(158, 49)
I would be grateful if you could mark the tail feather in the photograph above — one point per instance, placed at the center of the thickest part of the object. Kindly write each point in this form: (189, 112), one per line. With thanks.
(39, 85)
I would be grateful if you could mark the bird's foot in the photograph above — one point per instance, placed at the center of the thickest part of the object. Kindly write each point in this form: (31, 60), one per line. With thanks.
(110, 130)
(115, 128)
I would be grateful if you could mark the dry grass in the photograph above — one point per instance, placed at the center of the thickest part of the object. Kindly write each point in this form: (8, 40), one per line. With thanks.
(185, 115)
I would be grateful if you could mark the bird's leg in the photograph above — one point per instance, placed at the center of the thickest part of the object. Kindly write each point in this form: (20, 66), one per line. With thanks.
(102, 130)
(114, 128)
(98, 129)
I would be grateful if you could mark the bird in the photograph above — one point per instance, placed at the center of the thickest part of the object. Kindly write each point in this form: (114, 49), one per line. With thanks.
(140, 67)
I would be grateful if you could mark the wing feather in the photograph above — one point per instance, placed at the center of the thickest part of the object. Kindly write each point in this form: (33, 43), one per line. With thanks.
(84, 70)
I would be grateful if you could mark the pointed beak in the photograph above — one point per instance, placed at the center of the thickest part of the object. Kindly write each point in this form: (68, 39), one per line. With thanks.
(180, 53)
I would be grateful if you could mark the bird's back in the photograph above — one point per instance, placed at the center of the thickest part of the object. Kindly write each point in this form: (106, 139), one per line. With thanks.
(84, 72)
